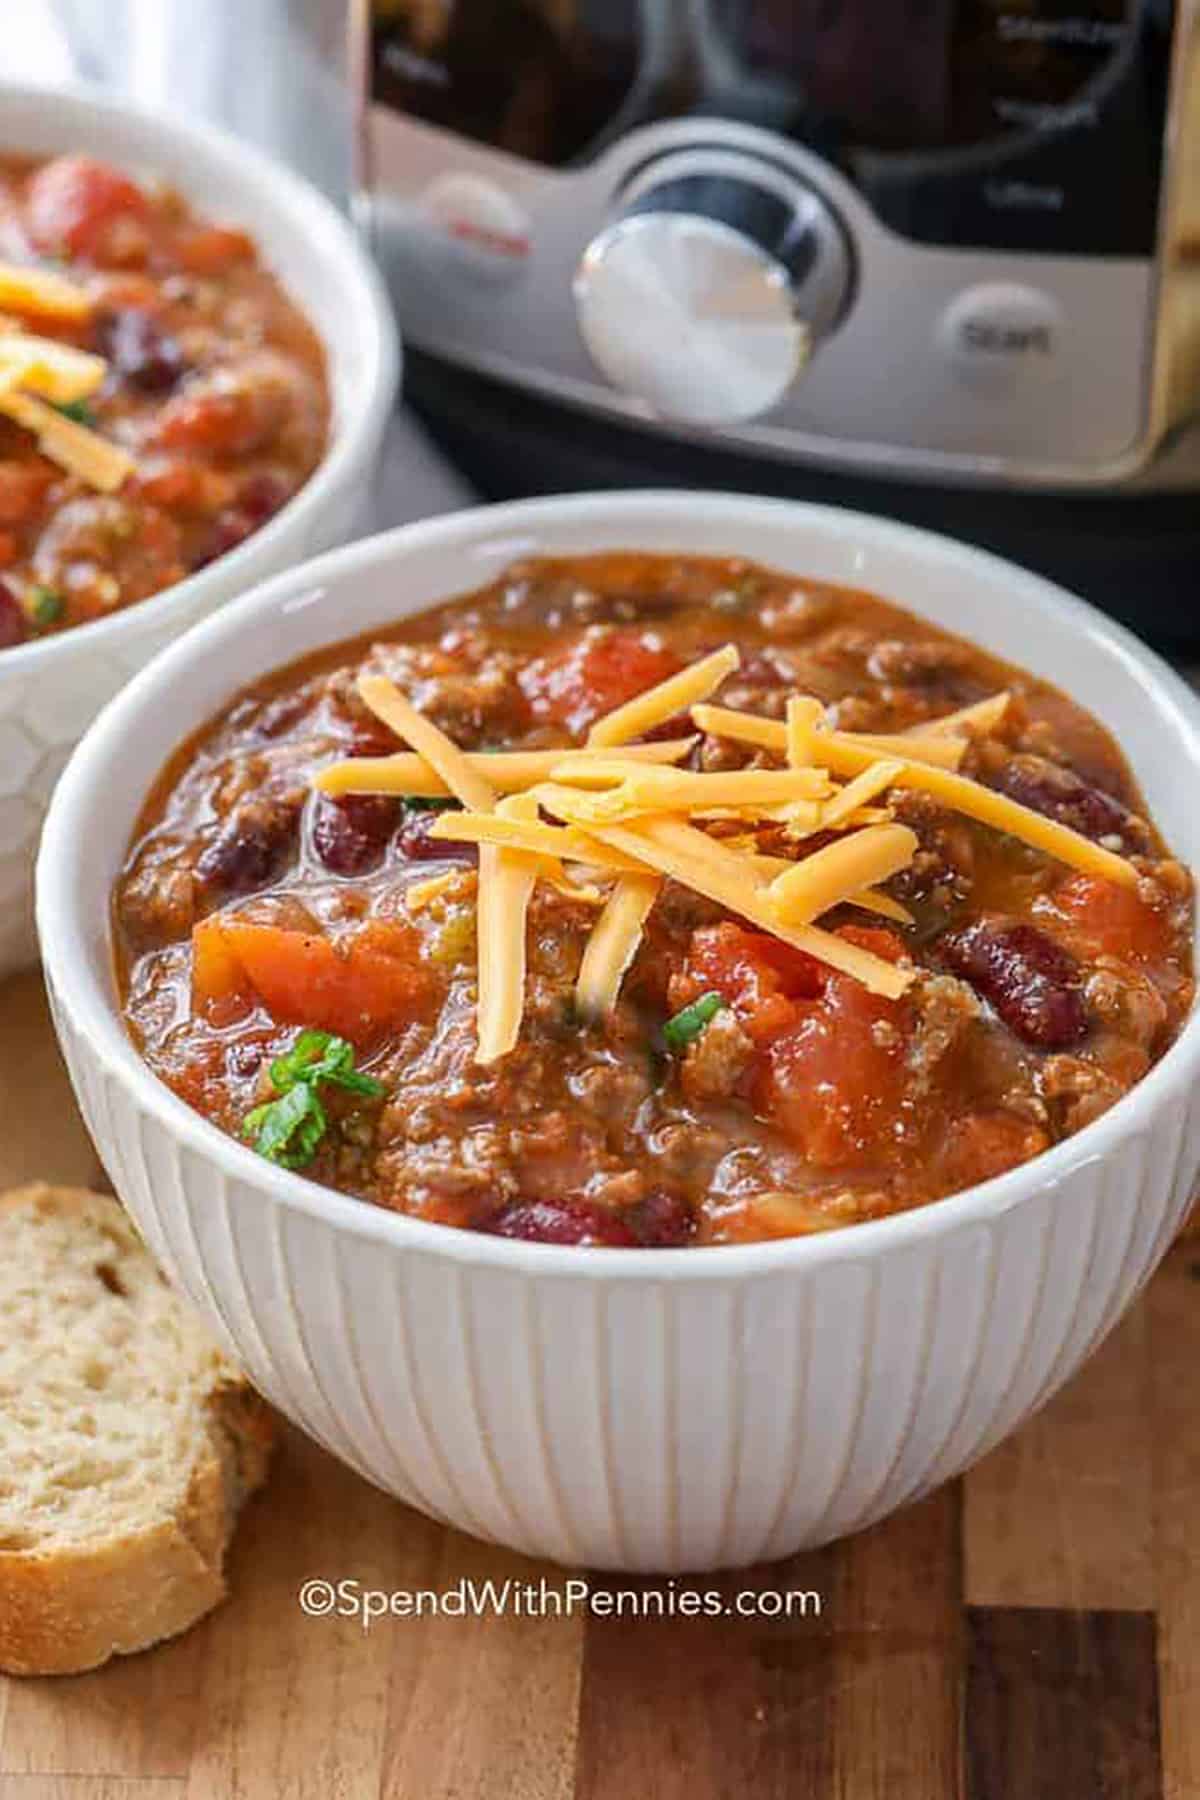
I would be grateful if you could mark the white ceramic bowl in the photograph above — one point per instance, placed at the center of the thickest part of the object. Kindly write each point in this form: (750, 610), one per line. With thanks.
(627, 1408)
(50, 691)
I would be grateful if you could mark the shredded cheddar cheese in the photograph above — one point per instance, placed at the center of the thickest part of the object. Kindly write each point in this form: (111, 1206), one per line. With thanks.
(627, 818)
(443, 755)
(58, 372)
(884, 906)
(661, 702)
(529, 833)
(81, 452)
(845, 755)
(43, 292)
(821, 881)
(510, 771)
(873, 781)
(506, 879)
(613, 944)
(944, 752)
(982, 717)
(803, 736)
(685, 790)
(420, 894)
(803, 716)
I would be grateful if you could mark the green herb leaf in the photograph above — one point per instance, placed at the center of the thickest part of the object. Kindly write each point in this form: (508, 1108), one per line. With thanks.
(319, 1056)
(428, 803)
(690, 1021)
(296, 1064)
(78, 410)
(45, 606)
(287, 1131)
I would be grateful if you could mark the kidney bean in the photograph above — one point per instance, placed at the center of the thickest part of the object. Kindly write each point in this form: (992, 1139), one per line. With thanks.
(417, 845)
(261, 495)
(1064, 796)
(145, 355)
(250, 846)
(1029, 980)
(350, 834)
(14, 627)
(561, 1222)
(662, 1221)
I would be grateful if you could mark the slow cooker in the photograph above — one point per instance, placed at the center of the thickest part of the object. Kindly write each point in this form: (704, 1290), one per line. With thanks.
(939, 258)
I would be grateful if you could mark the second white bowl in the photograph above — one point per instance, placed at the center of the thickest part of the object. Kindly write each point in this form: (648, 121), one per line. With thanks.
(51, 690)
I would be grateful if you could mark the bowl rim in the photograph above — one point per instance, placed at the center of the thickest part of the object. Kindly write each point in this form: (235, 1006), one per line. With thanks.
(311, 216)
(95, 1015)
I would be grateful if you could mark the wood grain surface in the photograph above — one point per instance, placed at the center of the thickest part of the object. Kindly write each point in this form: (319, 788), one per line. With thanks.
(1032, 1630)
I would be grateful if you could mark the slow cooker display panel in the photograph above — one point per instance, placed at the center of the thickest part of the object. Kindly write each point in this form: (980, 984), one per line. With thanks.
(538, 78)
(1026, 125)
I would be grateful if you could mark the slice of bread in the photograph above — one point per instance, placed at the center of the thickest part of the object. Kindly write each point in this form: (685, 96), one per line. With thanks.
(127, 1440)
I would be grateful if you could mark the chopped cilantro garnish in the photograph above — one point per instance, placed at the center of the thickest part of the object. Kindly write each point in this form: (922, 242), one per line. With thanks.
(319, 1056)
(45, 606)
(78, 410)
(288, 1130)
(690, 1021)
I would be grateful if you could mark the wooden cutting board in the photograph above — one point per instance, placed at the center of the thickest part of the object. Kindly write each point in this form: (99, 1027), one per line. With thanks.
(1032, 1630)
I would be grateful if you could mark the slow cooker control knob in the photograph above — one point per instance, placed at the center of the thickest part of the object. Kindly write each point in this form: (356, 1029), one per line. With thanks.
(706, 297)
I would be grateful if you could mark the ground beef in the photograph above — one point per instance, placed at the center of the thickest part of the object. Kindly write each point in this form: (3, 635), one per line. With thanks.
(799, 615)
(612, 1091)
(716, 1064)
(716, 755)
(919, 662)
(942, 871)
(1076, 1092)
(470, 696)
(454, 1178)
(946, 1009)
(686, 1152)
(1123, 1000)
(160, 896)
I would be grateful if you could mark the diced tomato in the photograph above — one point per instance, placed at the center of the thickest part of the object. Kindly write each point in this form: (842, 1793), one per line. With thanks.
(232, 410)
(220, 988)
(73, 201)
(760, 977)
(835, 1081)
(359, 988)
(211, 249)
(1109, 920)
(830, 1068)
(23, 488)
(594, 676)
(182, 486)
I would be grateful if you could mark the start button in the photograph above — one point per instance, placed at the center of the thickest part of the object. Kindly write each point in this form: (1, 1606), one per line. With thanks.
(1002, 331)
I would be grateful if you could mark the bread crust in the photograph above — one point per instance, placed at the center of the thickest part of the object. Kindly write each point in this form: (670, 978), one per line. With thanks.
(65, 1609)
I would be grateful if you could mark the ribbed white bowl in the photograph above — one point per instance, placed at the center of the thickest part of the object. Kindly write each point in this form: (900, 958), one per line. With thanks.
(51, 690)
(664, 1410)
